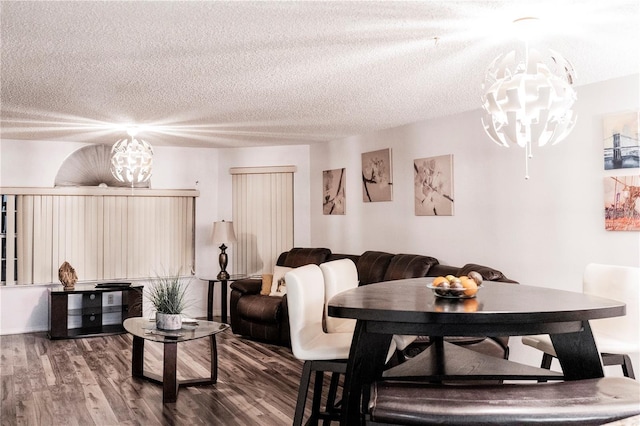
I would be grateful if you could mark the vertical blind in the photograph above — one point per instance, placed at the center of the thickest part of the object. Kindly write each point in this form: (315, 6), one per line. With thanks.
(103, 237)
(262, 216)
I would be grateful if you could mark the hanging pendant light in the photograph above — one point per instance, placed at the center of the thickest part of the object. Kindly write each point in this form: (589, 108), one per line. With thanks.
(528, 100)
(132, 159)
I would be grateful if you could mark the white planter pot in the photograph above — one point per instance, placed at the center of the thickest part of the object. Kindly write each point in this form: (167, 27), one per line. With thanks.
(168, 321)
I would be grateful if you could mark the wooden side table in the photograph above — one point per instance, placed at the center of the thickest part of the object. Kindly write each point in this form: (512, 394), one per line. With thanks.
(223, 294)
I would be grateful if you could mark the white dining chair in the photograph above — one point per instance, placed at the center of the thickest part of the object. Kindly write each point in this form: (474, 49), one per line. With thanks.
(339, 275)
(320, 351)
(615, 337)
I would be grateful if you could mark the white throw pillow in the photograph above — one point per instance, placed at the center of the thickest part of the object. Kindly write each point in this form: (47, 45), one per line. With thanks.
(278, 286)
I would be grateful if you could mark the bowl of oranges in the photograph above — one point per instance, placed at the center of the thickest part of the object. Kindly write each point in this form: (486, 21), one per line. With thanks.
(452, 287)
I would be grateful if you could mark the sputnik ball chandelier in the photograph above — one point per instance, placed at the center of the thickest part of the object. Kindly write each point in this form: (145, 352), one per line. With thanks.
(528, 99)
(131, 159)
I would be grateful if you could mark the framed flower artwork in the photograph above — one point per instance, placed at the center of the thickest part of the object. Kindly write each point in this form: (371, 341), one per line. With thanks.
(433, 186)
(377, 182)
(333, 191)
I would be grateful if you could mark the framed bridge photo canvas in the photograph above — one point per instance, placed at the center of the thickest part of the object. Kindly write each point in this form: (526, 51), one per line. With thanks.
(433, 186)
(377, 176)
(621, 141)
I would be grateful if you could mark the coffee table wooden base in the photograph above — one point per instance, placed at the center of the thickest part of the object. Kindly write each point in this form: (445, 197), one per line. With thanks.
(169, 379)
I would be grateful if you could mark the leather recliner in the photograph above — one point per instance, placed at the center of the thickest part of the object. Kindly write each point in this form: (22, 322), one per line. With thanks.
(265, 318)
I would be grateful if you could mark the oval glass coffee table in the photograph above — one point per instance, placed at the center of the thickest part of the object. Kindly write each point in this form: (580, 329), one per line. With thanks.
(143, 329)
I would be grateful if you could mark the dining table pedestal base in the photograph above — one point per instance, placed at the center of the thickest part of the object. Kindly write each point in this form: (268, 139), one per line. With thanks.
(443, 362)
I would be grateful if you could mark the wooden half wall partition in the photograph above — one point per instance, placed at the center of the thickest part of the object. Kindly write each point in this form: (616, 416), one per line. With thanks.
(262, 216)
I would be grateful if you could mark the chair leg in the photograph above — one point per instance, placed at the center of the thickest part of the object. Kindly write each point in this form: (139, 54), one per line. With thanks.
(331, 397)
(546, 361)
(546, 364)
(607, 359)
(335, 367)
(317, 396)
(302, 393)
(627, 367)
(622, 360)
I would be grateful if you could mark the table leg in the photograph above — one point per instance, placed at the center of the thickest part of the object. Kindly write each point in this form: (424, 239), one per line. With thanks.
(223, 300)
(214, 358)
(137, 357)
(366, 363)
(578, 354)
(210, 301)
(169, 373)
(439, 359)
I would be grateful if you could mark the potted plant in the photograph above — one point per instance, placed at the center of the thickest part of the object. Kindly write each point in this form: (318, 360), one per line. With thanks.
(168, 296)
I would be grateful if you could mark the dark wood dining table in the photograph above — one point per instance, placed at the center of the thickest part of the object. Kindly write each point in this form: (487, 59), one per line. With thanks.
(409, 307)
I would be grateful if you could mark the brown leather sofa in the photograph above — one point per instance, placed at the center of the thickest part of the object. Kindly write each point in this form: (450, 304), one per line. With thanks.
(266, 318)
(262, 317)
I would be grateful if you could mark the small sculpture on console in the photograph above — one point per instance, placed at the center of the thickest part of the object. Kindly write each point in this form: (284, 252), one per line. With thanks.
(67, 276)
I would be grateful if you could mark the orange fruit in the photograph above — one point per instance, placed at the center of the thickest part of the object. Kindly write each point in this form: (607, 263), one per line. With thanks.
(437, 281)
(470, 286)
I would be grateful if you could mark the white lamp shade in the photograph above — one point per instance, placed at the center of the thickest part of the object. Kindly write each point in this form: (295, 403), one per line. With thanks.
(223, 232)
(131, 160)
(529, 100)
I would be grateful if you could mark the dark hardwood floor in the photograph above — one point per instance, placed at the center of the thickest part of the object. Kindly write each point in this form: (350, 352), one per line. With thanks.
(88, 382)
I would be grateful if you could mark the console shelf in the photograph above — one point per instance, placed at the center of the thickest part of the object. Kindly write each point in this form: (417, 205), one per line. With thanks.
(88, 311)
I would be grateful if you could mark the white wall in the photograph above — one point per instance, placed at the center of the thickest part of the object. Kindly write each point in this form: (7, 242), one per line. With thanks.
(540, 232)
(36, 163)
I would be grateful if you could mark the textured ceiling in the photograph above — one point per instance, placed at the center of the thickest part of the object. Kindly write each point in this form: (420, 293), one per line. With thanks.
(228, 74)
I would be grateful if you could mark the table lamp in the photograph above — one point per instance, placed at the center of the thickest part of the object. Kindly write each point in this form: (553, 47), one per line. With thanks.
(223, 233)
